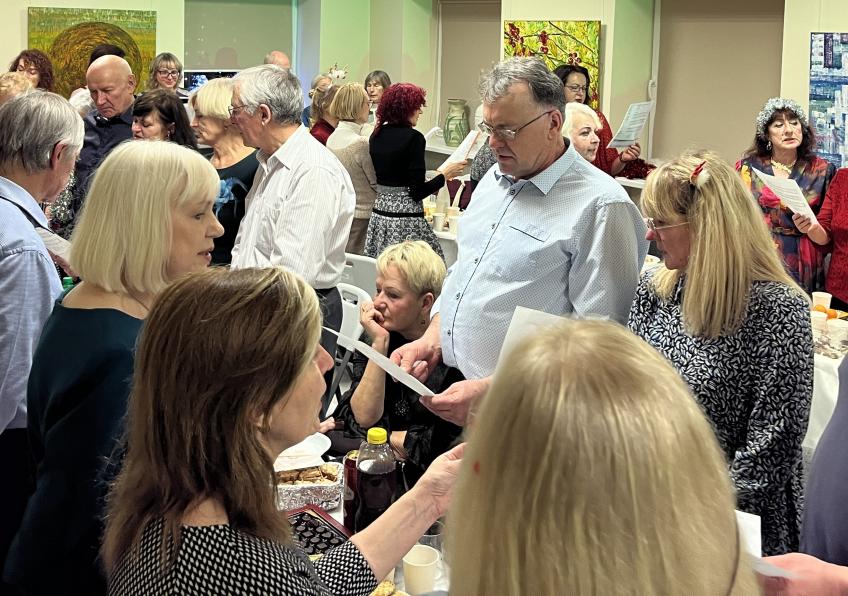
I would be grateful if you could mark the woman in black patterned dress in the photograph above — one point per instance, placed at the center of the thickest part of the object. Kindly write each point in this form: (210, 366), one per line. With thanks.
(229, 373)
(397, 150)
(736, 326)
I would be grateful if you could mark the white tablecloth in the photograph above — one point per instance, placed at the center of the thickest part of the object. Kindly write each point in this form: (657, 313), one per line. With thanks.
(825, 391)
(448, 242)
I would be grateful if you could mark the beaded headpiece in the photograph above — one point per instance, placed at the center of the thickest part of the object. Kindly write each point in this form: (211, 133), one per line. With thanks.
(773, 105)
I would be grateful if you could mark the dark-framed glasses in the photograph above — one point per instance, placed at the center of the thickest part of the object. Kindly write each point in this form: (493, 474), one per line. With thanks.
(505, 133)
(164, 72)
(577, 88)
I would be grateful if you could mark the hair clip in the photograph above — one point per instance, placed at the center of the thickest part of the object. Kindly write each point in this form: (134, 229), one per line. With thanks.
(693, 179)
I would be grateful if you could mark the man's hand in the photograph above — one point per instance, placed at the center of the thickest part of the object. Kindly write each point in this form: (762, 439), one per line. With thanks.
(418, 357)
(454, 403)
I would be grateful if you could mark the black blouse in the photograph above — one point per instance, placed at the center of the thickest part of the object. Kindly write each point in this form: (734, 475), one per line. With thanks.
(398, 155)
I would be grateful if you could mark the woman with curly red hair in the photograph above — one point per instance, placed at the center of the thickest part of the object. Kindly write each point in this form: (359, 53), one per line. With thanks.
(36, 66)
(397, 150)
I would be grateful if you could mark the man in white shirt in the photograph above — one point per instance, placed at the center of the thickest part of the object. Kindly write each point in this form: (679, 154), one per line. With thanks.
(546, 230)
(300, 207)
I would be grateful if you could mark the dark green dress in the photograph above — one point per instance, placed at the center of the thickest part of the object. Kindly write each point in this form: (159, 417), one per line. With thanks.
(77, 396)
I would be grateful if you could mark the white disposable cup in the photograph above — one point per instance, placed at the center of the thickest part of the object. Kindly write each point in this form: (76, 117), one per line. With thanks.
(819, 320)
(837, 329)
(821, 298)
(438, 221)
(453, 222)
(453, 212)
(419, 569)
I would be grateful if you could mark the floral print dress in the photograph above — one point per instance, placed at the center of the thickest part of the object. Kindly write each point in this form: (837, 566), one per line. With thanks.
(803, 258)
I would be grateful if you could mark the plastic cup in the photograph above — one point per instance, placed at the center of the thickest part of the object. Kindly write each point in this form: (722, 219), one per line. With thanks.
(821, 298)
(438, 221)
(819, 320)
(837, 329)
(453, 223)
(453, 212)
(419, 569)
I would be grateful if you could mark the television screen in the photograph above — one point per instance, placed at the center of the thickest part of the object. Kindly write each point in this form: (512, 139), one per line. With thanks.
(192, 79)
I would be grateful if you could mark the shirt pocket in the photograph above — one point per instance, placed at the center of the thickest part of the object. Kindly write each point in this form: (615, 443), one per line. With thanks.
(520, 250)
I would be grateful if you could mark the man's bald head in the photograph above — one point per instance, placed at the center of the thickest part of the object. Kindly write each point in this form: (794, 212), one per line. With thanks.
(279, 58)
(111, 83)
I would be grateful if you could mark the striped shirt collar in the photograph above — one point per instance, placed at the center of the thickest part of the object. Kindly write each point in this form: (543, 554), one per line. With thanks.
(283, 155)
(545, 179)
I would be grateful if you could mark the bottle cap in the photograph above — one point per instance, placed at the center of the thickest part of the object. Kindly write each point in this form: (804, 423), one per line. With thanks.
(67, 283)
(377, 435)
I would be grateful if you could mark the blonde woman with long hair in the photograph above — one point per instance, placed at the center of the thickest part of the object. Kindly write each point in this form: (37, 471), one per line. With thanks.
(621, 486)
(728, 316)
(194, 509)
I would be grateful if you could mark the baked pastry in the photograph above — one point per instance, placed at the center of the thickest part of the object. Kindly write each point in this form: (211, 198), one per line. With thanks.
(384, 588)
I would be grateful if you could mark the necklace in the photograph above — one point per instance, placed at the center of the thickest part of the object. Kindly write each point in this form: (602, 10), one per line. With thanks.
(783, 167)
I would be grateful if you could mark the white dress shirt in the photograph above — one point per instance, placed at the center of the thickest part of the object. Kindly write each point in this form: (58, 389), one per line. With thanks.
(568, 240)
(299, 212)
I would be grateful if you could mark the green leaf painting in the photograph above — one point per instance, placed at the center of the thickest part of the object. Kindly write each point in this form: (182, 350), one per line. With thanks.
(558, 42)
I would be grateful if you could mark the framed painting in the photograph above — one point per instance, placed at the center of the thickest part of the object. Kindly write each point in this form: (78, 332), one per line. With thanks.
(68, 35)
(828, 90)
(558, 42)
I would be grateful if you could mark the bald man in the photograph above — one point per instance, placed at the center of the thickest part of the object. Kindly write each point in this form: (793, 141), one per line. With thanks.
(279, 58)
(111, 83)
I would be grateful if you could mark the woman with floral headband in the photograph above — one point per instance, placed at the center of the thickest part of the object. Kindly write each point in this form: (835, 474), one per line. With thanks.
(784, 147)
(724, 311)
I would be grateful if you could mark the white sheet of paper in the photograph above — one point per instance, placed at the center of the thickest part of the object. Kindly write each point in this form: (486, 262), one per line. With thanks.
(789, 193)
(55, 243)
(750, 527)
(631, 127)
(467, 149)
(392, 369)
(525, 321)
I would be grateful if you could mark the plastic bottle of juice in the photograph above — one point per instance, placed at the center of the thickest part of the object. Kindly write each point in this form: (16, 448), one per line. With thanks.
(376, 479)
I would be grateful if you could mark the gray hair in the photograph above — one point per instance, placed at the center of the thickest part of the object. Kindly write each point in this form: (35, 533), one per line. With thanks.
(276, 87)
(545, 87)
(578, 108)
(32, 124)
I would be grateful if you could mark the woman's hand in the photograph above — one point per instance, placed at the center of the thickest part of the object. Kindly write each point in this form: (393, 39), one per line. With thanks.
(813, 230)
(372, 321)
(810, 576)
(452, 169)
(439, 479)
(632, 153)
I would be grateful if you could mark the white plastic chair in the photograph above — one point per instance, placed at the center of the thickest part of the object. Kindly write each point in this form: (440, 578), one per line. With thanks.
(360, 271)
(352, 297)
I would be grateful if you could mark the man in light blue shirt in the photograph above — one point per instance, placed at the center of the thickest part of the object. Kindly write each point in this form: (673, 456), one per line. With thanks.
(546, 230)
(40, 139)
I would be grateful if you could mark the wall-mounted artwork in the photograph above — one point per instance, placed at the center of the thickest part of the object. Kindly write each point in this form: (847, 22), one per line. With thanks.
(68, 35)
(829, 95)
(558, 42)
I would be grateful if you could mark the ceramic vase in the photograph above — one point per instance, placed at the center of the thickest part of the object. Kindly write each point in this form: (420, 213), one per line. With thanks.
(456, 123)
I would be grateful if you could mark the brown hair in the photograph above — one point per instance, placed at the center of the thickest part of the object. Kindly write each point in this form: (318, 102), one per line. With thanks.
(222, 347)
(40, 62)
(761, 146)
(321, 101)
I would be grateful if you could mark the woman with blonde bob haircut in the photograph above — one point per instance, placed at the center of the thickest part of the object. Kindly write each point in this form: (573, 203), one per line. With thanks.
(147, 221)
(350, 144)
(409, 280)
(193, 510)
(729, 317)
(623, 488)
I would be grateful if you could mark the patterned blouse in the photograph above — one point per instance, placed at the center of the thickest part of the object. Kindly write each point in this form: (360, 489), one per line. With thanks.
(804, 259)
(755, 386)
(220, 560)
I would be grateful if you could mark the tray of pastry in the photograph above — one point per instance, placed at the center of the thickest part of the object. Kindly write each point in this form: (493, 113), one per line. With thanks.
(315, 485)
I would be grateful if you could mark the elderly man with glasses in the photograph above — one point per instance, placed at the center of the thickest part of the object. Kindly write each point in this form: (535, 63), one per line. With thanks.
(300, 208)
(546, 230)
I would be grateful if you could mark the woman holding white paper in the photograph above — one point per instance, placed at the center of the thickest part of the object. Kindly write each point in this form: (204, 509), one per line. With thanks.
(409, 280)
(727, 315)
(784, 147)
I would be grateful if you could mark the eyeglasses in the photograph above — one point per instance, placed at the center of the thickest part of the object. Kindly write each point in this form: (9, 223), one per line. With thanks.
(172, 74)
(505, 133)
(233, 110)
(657, 229)
(577, 88)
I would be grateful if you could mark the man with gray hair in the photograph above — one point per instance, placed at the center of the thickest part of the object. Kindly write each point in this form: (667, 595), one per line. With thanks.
(546, 230)
(300, 208)
(40, 139)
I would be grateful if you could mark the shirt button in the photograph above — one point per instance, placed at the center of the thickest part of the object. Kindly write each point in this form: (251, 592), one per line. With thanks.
(476, 260)
(457, 295)
(493, 226)
(449, 331)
